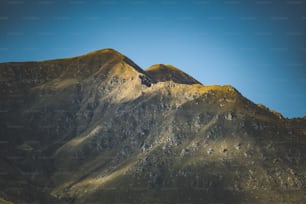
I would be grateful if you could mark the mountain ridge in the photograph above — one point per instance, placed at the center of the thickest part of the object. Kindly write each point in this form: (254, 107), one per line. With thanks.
(99, 129)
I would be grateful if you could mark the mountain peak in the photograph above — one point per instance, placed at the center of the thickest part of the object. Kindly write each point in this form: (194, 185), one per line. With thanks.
(167, 72)
(104, 51)
(114, 54)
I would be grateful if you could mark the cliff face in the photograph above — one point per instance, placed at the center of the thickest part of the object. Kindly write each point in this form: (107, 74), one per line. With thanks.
(99, 129)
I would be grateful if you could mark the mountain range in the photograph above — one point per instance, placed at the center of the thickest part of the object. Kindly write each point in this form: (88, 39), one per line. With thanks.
(97, 128)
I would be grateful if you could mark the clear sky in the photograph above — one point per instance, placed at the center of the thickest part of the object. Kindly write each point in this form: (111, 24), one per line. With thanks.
(259, 47)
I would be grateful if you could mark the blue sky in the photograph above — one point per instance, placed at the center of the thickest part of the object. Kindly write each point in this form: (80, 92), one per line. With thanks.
(259, 47)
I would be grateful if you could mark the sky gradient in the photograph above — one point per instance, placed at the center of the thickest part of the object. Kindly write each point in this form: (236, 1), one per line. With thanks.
(259, 47)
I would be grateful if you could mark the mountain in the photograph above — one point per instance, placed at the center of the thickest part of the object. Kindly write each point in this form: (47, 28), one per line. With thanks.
(162, 73)
(99, 129)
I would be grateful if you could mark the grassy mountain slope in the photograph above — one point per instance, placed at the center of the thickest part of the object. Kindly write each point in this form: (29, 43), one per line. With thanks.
(162, 73)
(98, 129)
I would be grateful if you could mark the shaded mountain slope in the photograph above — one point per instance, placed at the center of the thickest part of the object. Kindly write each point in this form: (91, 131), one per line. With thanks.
(98, 129)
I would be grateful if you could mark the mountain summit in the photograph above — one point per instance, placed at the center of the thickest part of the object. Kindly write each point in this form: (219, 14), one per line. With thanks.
(99, 129)
(166, 72)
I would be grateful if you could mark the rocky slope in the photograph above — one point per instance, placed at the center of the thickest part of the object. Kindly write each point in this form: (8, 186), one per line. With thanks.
(99, 129)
